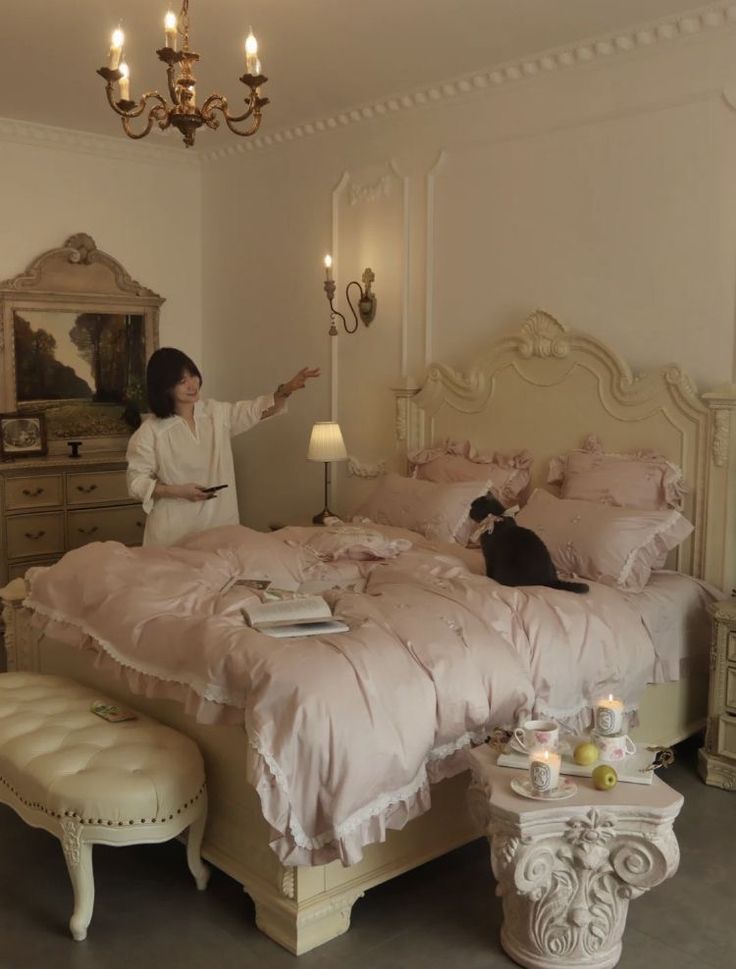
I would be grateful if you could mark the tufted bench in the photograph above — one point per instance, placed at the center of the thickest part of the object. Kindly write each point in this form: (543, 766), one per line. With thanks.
(87, 781)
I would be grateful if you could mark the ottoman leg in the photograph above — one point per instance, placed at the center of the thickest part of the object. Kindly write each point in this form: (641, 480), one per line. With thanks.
(78, 857)
(194, 846)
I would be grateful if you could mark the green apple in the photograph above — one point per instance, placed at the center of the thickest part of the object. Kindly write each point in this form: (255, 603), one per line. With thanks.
(604, 777)
(586, 753)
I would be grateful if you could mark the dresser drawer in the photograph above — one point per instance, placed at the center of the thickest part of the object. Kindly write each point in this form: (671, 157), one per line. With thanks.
(106, 525)
(731, 688)
(96, 487)
(33, 535)
(18, 569)
(39, 491)
(731, 647)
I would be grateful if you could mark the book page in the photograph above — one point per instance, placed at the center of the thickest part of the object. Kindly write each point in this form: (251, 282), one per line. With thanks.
(287, 611)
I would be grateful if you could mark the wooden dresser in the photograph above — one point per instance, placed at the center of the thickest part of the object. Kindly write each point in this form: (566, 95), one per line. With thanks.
(717, 759)
(54, 504)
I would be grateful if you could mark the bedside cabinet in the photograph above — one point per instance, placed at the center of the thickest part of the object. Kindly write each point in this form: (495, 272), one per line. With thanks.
(54, 504)
(717, 759)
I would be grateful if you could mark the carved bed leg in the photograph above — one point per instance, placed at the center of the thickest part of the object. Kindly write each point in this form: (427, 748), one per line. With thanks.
(197, 867)
(300, 927)
(78, 856)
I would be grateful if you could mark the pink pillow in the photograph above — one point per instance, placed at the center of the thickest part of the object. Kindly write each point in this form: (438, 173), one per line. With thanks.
(615, 546)
(641, 479)
(507, 471)
(434, 510)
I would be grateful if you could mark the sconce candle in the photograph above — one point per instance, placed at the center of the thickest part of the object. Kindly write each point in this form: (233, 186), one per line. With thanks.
(116, 49)
(124, 82)
(170, 30)
(328, 267)
(609, 716)
(544, 770)
(251, 53)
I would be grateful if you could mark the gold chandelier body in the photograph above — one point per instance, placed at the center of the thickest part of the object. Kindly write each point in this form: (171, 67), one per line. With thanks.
(182, 112)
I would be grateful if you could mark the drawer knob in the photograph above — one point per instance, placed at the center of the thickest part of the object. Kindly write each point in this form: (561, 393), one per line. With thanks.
(87, 531)
(32, 492)
(34, 535)
(87, 489)
(139, 524)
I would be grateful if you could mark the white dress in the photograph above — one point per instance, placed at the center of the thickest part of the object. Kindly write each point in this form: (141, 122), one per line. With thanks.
(167, 450)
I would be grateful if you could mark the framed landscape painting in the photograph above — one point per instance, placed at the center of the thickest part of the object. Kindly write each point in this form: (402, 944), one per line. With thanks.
(77, 332)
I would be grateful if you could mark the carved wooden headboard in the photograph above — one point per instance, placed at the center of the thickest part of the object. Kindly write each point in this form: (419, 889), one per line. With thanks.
(547, 387)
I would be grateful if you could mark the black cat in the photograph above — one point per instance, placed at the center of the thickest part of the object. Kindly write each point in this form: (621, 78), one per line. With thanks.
(516, 555)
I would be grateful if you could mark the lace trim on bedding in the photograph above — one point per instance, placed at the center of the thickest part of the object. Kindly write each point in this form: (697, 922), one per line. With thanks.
(204, 690)
(628, 565)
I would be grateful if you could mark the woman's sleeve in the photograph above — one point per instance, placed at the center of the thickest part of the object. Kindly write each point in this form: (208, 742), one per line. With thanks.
(245, 414)
(142, 466)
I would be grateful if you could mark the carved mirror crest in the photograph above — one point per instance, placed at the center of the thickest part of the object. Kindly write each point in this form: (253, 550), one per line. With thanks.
(76, 334)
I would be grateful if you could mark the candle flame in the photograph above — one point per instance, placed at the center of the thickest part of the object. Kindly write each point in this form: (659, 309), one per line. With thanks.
(328, 261)
(251, 44)
(124, 69)
(170, 21)
(118, 39)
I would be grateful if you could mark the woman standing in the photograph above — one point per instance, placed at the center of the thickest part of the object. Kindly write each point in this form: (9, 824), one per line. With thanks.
(184, 449)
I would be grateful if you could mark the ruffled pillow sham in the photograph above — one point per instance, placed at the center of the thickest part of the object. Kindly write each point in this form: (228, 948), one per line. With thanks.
(615, 546)
(640, 479)
(452, 461)
(436, 511)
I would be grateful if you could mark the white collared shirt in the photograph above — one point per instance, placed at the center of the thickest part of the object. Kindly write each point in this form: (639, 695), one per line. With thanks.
(167, 450)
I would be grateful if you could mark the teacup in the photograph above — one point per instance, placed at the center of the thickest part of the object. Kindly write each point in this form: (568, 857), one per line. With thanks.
(537, 733)
(614, 749)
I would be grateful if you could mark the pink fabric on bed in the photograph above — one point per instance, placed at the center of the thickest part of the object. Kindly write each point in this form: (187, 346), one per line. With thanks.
(642, 479)
(346, 730)
(507, 471)
(615, 546)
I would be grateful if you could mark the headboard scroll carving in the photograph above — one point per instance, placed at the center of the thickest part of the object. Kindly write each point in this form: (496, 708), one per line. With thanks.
(546, 387)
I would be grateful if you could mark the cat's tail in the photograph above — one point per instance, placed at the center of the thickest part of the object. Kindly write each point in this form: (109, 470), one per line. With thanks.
(579, 587)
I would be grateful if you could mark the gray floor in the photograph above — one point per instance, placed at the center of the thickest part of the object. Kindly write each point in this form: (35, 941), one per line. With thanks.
(149, 916)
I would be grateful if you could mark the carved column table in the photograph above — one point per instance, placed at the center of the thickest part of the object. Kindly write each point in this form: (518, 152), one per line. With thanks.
(566, 870)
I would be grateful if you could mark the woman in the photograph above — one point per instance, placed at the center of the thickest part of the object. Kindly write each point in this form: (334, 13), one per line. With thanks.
(184, 449)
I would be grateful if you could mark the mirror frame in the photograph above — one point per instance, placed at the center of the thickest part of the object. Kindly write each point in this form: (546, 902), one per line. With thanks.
(75, 277)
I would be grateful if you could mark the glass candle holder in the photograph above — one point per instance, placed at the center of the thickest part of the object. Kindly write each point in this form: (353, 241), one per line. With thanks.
(544, 770)
(609, 716)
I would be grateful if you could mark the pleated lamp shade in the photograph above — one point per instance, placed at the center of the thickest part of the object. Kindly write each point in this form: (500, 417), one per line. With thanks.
(326, 443)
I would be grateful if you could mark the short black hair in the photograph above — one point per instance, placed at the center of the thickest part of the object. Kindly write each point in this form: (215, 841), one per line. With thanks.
(165, 369)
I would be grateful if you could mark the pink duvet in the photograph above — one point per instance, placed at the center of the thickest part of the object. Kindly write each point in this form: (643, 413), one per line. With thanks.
(346, 731)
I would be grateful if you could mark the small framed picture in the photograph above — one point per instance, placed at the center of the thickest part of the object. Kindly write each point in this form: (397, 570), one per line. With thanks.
(22, 436)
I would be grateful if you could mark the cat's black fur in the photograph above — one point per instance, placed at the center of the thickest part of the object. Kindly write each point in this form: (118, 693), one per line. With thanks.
(515, 555)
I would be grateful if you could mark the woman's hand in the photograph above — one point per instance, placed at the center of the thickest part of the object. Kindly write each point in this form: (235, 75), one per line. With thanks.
(297, 382)
(188, 492)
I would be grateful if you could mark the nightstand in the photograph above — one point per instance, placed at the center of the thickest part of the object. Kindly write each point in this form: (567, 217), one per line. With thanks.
(717, 759)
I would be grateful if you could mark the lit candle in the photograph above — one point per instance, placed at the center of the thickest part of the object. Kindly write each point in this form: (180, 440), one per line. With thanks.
(251, 53)
(609, 715)
(544, 770)
(170, 29)
(328, 268)
(116, 49)
(124, 82)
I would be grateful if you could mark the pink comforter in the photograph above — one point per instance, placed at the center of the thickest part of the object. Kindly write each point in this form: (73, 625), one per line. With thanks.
(347, 730)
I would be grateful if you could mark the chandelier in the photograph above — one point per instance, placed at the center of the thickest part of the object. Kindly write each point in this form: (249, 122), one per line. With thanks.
(182, 112)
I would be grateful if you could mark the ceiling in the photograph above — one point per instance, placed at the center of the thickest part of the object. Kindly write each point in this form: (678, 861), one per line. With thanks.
(322, 56)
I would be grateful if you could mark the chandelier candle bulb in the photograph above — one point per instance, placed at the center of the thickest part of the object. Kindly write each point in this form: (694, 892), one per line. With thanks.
(609, 716)
(124, 82)
(328, 268)
(170, 29)
(544, 770)
(251, 53)
(116, 49)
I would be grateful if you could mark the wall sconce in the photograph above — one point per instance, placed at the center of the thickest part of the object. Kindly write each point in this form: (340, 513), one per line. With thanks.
(366, 302)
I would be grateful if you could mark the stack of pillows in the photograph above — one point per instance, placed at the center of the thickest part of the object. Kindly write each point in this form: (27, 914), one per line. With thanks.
(617, 518)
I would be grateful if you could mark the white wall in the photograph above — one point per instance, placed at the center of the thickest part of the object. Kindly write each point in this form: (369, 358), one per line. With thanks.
(124, 200)
(603, 194)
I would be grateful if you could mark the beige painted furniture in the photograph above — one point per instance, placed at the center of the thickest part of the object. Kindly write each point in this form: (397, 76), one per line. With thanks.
(567, 870)
(543, 387)
(54, 504)
(717, 759)
(87, 781)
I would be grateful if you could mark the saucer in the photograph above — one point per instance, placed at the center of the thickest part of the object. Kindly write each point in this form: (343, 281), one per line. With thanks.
(523, 787)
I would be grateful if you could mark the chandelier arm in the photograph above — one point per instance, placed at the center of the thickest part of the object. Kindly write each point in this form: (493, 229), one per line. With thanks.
(158, 114)
(139, 108)
(219, 103)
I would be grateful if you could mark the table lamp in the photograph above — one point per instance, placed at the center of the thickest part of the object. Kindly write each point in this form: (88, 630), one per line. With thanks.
(326, 444)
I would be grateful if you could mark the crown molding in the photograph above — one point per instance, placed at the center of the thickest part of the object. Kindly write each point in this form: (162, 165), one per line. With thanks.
(86, 142)
(642, 37)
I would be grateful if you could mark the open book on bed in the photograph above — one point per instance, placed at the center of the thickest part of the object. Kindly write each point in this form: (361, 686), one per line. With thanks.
(297, 616)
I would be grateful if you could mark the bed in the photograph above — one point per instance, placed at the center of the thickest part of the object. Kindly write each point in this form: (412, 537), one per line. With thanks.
(579, 385)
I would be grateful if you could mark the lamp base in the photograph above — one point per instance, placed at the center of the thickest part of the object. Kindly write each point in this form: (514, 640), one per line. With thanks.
(320, 518)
